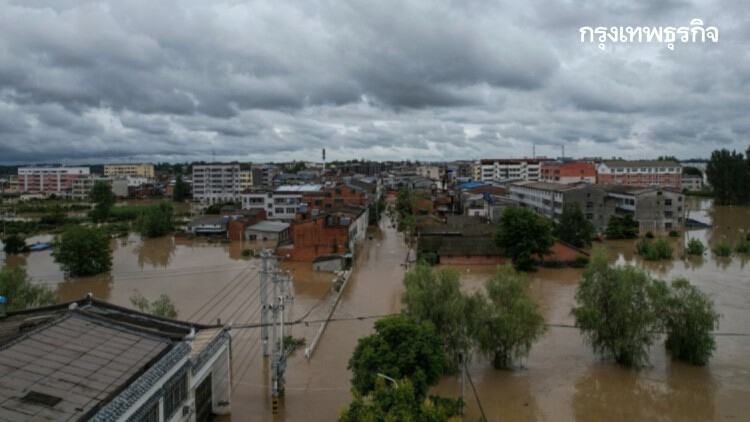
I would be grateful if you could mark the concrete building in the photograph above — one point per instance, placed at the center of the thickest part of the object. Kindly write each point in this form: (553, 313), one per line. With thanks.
(283, 203)
(246, 179)
(431, 171)
(93, 361)
(81, 187)
(57, 180)
(219, 182)
(652, 208)
(268, 230)
(665, 174)
(692, 182)
(566, 173)
(130, 169)
(332, 232)
(497, 169)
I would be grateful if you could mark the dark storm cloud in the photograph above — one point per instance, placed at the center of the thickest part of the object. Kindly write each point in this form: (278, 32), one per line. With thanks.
(182, 79)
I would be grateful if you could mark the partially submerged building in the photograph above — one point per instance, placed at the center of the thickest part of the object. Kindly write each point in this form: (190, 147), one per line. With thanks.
(91, 360)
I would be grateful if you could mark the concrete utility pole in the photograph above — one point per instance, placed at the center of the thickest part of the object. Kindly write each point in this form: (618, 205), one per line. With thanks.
(265, 255)
(281, 295)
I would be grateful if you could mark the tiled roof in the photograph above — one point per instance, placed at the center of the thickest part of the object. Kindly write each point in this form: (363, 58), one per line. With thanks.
(460, 246)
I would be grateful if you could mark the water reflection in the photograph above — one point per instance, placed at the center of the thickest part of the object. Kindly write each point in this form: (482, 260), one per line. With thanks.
(76, 288)
(722, 262)
(613, 393)
(155, 252)
(694, 262)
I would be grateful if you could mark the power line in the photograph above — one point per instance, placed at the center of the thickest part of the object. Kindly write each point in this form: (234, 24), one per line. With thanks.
(476, 396)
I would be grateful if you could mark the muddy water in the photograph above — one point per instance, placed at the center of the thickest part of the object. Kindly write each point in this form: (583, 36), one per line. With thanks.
(560, 381)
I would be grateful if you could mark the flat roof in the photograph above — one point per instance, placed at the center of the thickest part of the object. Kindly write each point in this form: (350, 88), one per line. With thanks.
(299, 188)
(269, 226)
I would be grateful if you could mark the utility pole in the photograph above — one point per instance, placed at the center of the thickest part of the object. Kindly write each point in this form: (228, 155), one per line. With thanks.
(264, 300)
(280, 296)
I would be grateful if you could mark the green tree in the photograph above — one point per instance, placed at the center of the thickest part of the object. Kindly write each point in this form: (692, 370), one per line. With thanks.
(162, 307)
(653, 250)
(621, 227)
(689, 319)
(102, 195)
(618, 311)
(729, 176)
(399, 401)
(695, 247)
(524, 235)
(692, 171)
(435, 296)
(510, 322)
(83, 251)
(14, 244)
(19, 291)
(573, 227)
(181, 190)
(400, 348)
(156, 220)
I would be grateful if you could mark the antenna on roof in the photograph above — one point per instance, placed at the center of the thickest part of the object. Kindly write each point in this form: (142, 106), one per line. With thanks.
(533, 151)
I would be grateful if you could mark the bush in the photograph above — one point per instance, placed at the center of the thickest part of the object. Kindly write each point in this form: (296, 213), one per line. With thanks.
(20, 293)
(653, 250)
(83, 251)
(580, 262)
(649, 235)
(247, 252)
(429, 257)
(674, 233)
(723, 249)
(621, 228)
(690, 318)
(14, 244)
(695, 247)
(743, 247)
(157, 220)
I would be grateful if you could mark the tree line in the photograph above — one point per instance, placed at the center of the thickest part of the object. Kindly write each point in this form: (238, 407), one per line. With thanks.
(728, 173)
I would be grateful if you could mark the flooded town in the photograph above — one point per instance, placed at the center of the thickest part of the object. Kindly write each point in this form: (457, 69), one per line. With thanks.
(357, 211)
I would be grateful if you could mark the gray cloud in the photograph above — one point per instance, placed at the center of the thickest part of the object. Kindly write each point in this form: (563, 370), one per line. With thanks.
(101, 80)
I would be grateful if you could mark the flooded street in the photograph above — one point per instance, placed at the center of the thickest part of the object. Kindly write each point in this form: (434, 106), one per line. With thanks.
(561, 380)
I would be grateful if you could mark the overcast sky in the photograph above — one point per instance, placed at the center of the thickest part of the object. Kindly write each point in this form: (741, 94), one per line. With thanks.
(85, 81)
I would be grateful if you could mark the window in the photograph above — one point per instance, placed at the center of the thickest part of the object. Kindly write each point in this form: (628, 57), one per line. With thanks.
(153, 414)
(589, 205)
(176, 394)
(589, 216)
(279, 210)
(667, 202)
(328, 194)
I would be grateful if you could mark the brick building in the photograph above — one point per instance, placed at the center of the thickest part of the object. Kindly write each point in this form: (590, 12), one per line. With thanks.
(568, 173)
(665, 174)
(332, 232)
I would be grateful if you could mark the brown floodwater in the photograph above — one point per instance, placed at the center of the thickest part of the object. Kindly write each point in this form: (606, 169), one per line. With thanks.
(561, 380)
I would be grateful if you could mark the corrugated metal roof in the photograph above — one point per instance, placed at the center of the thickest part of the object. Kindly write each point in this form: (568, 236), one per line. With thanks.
(299, 188)
(79, 359)
(269, 226)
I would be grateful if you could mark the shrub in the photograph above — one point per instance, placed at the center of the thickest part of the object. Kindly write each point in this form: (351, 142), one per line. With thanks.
(247, 252)
(653, 250)
(649, 235)
(674, 233)
(695, 247)
(689, 319)
(723, 249)
(743, 247)
(580, 262)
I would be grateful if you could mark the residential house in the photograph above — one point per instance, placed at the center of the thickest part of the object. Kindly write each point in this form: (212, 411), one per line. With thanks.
(331, 232)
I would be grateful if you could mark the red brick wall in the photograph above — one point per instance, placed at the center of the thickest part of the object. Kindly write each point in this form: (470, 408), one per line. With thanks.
(313, 239)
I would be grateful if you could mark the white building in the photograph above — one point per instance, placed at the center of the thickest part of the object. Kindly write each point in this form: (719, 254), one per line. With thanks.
(433, 172)
(503, 169)
(49, 179)
(214, 183)
(81, 187)
(280, 204)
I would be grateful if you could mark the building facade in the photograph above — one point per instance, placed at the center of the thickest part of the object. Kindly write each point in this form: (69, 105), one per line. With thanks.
(566, 173)
(58, 180)
(666, 174)
(213, 183)
(130, 169)
(501, 169)
(652, 208)
(81, 187)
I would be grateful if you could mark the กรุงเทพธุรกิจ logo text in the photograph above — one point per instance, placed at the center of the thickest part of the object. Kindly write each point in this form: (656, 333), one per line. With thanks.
(663, 34)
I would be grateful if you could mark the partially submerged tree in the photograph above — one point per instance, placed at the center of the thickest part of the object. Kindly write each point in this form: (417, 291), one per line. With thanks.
(83, 251)
(689, 319)
(435, 296)
(104, 198)
(524, 237)
(621, 228)
(181, 190)
(21, 293)
(617, 313)
(14, 244)
(398, 400)
(510, 322)
(573, 227)
(156, 220)
(400, 348)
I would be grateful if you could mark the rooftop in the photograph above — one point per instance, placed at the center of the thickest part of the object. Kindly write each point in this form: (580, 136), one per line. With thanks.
(65, 362)
(641, 163)
(299, 188)
(269, 226)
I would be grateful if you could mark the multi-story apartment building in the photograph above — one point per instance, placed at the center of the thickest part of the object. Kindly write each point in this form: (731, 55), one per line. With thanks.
(692, 182)
(129, 169)
(217, 182)
(246, 179)
(81, 187)
(48, 179)
(652, 208)
(500, 169)
(431, 171)
(556, 172)
(666, 174)
(280, 204)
